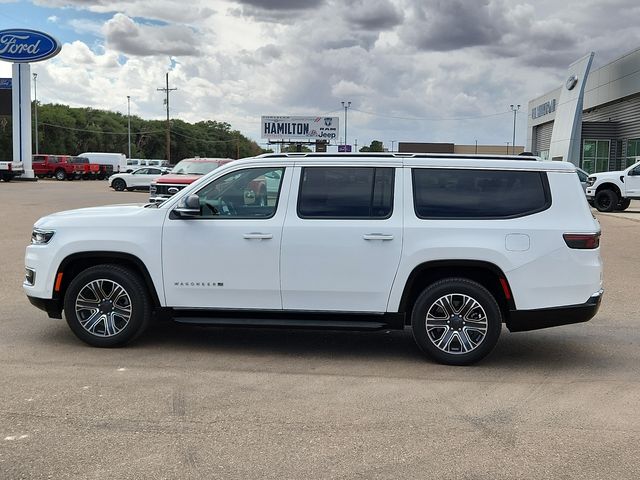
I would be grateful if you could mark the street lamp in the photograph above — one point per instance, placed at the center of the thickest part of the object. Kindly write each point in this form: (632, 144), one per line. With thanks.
(129, 122)
(35, 105)
(346, 107)
(514, 109)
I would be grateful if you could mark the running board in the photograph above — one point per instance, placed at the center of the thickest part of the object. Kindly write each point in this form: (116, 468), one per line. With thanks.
(260, 322)
(291, 320)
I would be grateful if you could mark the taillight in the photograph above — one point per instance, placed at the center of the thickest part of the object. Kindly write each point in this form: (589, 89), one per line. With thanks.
(582, 240)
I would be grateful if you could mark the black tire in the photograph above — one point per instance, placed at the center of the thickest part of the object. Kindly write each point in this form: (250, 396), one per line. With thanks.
(606, 200)
(119, 185)
(623, 204)
(134, 295)
(60, 174)
(477, 329)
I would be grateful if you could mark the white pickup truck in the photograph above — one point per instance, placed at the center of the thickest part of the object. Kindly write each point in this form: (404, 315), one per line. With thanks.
(609, 191)
(8, 170)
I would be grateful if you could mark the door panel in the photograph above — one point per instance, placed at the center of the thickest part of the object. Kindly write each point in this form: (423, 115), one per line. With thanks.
(339, 264)
(229, 257)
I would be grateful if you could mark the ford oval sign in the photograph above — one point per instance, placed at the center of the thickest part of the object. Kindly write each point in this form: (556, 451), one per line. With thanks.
(24, 46)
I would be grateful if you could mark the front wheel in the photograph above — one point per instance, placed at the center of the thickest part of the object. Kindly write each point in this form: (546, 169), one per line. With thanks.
(119, 185)
(623, 204)
(606, 200)
(107, 306)
(60, 175)
(456, 321)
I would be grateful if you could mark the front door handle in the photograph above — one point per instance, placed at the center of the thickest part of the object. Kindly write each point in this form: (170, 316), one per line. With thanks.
(377, 236)
(257, 236)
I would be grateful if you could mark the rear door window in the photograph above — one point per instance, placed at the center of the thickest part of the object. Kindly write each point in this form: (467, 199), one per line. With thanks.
(468, 194)
(346, 192)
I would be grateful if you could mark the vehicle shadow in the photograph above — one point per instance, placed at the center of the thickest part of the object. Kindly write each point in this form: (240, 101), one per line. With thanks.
(558, 349)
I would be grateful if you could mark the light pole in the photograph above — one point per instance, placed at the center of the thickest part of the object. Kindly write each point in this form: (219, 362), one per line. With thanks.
(392, 142)
(514, 109)
(129, 123)
(346, 107)
(35, 105)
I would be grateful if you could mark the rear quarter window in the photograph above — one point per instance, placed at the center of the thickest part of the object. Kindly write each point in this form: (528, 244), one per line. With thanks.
(449, 193)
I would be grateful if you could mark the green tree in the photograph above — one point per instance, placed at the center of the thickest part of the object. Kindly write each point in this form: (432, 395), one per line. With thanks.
(376, 146)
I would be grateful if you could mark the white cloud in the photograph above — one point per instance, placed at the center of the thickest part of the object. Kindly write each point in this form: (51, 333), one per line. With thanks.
(125, 35)
(423, 59)
(53, 19)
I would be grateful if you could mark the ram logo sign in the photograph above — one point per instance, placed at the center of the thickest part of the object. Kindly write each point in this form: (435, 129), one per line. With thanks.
(25, 46)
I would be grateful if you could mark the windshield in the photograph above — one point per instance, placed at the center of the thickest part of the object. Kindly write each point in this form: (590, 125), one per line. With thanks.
(190, 167)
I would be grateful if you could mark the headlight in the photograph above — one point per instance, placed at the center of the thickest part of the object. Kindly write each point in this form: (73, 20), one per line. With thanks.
(591, 181)
(41, 237)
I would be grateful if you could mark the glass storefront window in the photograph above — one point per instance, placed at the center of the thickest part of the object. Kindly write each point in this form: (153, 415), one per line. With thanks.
(595, 155)
(633, 151)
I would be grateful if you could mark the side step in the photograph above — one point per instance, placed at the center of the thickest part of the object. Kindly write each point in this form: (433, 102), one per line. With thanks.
(314, 320)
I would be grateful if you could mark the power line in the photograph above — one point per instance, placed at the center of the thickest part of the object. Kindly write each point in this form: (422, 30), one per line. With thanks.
(98, 131)
(202, 139)
(375, 114)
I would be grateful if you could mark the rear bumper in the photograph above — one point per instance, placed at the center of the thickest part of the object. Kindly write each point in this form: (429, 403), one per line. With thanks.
(525, 320)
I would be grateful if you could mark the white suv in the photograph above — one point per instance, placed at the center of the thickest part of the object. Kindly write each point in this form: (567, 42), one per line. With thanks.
(452, 246)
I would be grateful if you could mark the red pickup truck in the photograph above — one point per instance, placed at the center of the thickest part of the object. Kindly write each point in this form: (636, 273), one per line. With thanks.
(184, 173)
(63, 167)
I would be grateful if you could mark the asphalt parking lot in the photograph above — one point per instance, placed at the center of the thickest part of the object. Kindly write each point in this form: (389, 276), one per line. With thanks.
(190, 402)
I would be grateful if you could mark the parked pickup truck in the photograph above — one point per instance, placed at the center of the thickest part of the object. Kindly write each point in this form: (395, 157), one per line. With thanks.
(609, 191)
(8, 170)
(183, 174)
(62, 167)
(90, 171)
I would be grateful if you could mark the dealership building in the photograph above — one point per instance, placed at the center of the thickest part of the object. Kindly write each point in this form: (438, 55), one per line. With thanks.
(610, 136)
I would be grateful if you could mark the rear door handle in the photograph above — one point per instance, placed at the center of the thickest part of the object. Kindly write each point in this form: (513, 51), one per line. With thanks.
(377, 236)
(257, 236)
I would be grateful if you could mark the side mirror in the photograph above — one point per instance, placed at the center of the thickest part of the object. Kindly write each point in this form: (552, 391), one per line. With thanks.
(189, 207)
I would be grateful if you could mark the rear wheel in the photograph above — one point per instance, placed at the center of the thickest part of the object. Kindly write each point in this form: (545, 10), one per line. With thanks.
(119, 185)
(606, 200)
(107, 306)
(60, 174)
(623, 204)
(456, 321)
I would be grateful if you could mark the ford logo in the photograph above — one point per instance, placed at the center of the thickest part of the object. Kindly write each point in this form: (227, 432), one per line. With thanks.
(173, 190)
(22, 46)
(571, 82)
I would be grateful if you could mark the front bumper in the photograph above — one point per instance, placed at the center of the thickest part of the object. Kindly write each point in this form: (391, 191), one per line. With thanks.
(525, 320)
(52, 306)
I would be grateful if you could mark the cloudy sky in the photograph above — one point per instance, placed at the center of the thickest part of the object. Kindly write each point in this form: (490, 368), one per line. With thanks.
(414, 70)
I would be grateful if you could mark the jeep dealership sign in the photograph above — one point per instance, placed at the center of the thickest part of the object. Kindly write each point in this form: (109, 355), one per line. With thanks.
(319, 128)
(26, 46)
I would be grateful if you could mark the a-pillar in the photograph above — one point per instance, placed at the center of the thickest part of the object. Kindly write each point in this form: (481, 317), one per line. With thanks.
(22, 117)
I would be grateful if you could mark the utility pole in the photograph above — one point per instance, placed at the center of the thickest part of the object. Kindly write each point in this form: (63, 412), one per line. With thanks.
(129, 122)
(392, 142)
(167, 90)
(346, 107)
(507, 147)
(35, 105)
(476, 147)
(514, 109)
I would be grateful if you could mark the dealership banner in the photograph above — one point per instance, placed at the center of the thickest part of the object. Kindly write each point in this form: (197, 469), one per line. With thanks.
(285, 127)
